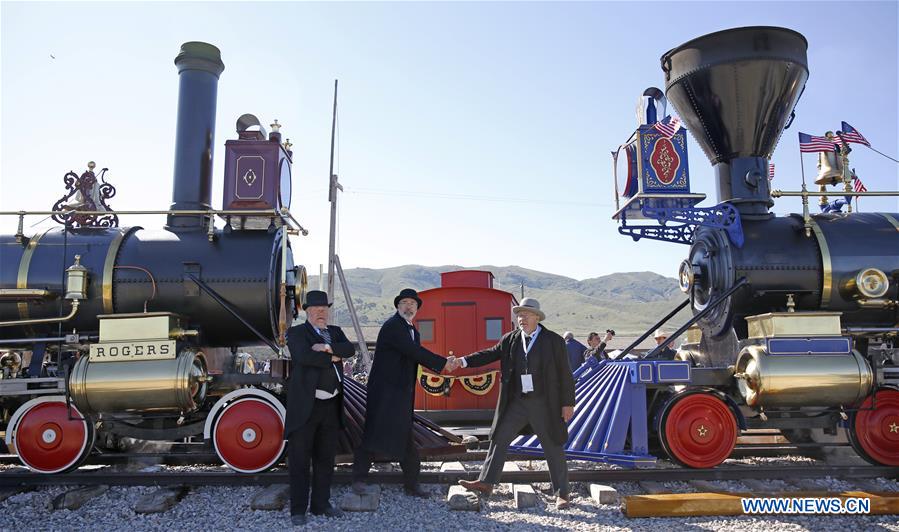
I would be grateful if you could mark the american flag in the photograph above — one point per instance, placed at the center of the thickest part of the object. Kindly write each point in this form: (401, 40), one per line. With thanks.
(668, 126)
(770, 171)
(857, 184)
(850, 134)
(811, 143)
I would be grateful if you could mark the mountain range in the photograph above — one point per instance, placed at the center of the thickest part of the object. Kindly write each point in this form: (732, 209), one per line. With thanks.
(630, 302)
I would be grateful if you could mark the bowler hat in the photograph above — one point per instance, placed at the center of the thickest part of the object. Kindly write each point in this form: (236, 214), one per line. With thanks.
(404, 293)
(532, 305)
(316, 298)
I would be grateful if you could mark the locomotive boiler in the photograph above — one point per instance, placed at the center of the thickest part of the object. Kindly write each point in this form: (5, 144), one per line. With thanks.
(132, 332)
(796, 318)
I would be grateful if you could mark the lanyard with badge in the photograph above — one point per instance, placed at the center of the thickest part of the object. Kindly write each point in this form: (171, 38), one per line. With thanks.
(527, 381)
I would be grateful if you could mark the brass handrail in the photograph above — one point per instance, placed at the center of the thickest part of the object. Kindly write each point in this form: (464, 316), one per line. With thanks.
(35, 321)
(779, 193)
(284, 214)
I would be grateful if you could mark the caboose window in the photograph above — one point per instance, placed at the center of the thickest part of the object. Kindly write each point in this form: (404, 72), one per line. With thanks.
(494, 328)
(426, 328)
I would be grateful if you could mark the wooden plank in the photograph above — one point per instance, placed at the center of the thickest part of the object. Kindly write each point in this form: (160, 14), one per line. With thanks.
(722, 504)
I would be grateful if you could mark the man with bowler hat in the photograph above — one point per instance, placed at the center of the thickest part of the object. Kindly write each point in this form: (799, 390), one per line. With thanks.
(391, 396)
(536, 389)
(314, 407)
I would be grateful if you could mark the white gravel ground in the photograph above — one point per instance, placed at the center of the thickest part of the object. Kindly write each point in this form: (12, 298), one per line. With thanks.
(227, 508)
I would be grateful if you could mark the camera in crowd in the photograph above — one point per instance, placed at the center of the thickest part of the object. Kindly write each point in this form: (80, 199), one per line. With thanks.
(611, 331)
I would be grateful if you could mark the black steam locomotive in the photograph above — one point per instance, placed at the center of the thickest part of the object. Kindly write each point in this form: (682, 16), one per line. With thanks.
(795, 319)
(160, 312)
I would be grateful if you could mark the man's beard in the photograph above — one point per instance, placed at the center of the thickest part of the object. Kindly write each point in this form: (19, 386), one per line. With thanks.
(407, 314)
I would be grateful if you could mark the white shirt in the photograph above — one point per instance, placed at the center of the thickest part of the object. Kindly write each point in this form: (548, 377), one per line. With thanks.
(527, 347)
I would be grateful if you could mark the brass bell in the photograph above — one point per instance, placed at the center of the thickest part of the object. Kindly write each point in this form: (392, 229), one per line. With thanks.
(830, 168)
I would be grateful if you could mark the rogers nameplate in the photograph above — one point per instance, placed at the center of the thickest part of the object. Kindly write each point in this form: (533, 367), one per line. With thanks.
(146, 350)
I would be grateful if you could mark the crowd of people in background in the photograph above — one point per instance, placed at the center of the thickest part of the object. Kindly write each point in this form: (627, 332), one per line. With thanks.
(579, 353)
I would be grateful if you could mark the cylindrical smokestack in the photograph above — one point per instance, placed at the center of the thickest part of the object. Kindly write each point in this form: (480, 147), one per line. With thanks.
(199, 66)
(735, 90)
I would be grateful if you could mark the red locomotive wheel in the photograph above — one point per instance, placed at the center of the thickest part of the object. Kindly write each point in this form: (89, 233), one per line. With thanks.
(875, 433)
(51, 437)
(698, 430)
(249, 435)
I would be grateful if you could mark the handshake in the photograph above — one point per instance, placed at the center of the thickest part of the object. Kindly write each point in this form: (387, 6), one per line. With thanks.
(452, 363)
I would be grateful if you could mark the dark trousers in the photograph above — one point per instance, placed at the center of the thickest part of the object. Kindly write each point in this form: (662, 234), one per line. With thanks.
(522, 411)
(314, 443)
(410, 462)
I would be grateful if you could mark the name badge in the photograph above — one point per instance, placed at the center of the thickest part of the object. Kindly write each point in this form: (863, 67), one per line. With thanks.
(527, 383)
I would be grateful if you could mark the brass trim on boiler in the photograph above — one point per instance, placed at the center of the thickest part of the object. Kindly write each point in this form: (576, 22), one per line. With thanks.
(826, 265)
(108, 270)
(24, 266)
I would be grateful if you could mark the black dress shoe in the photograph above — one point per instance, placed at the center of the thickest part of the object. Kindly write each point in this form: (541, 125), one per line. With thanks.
(298, 520)
(417, 491)
(331, 511)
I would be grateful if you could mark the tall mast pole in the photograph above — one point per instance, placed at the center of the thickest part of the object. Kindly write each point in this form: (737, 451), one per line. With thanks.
(333, 186)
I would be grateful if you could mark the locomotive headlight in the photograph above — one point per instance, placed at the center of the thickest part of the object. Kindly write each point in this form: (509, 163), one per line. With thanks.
(872, 283)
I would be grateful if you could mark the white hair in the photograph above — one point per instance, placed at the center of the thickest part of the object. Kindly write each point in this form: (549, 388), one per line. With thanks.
(568, 335)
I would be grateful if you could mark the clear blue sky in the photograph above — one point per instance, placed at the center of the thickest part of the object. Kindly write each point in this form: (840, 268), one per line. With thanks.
(470, 133)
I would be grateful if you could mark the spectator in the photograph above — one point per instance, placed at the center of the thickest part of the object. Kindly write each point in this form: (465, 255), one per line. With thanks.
(597, 347)
(666, 353)
(575, 350)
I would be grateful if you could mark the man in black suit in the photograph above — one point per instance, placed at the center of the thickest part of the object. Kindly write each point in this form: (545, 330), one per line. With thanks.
(314, 407)
(391, 396)
(536, 389)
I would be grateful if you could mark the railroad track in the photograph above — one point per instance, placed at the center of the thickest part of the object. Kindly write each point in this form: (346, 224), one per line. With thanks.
(18, 478)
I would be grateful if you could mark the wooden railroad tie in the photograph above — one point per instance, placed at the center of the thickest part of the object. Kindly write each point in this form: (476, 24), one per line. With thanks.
(722, 504)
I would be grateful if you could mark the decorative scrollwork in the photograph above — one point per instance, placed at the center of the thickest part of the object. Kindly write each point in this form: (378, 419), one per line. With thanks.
(722, 216)
(86, 194)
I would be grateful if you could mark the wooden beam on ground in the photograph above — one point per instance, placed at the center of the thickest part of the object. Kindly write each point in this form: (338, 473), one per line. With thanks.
(722, 504)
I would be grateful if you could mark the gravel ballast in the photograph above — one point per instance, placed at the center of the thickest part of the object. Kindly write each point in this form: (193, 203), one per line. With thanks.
(228, 508)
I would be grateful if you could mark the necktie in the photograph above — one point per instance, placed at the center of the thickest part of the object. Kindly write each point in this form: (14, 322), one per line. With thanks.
(327, 336)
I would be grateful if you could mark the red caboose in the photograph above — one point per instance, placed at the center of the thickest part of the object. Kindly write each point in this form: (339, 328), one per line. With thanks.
(465, 314)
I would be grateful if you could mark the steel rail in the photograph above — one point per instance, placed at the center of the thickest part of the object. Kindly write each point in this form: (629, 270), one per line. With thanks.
(19, 478)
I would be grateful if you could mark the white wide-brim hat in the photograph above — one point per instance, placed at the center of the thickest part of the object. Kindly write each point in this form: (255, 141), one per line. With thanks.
(532, 305)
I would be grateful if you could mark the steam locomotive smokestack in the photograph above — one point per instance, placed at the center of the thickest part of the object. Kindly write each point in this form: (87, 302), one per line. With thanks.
(735, 91)
(199, 66)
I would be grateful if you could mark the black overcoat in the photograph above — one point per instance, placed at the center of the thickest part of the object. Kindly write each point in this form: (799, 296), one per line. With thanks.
(391, 386)
(551, 373)
(306, 366)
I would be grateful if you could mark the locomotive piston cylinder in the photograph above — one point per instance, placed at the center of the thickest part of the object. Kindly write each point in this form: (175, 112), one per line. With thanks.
(797, 380)
(174, 385)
